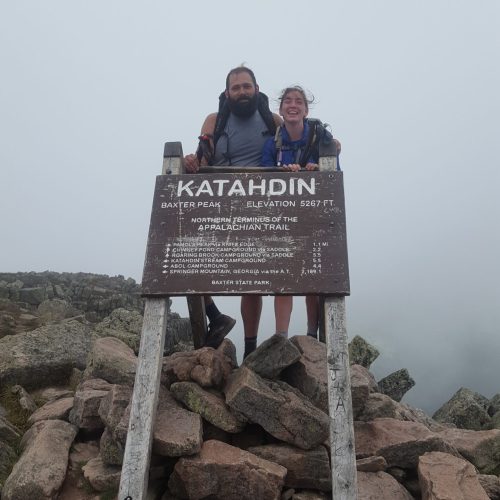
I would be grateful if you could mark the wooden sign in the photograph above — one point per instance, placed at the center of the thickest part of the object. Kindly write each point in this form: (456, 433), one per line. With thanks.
(262, 233)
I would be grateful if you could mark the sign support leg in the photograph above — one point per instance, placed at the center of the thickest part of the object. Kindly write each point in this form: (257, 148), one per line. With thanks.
(198, 318)
(343, 457)
(135, 470)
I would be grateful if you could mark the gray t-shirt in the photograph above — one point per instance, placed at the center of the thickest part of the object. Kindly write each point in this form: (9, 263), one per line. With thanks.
(242, 141)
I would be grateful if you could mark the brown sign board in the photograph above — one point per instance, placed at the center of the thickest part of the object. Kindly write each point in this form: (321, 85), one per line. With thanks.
(247, 233)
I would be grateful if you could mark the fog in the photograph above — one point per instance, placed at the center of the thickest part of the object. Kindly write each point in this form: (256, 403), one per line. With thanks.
(91, 91)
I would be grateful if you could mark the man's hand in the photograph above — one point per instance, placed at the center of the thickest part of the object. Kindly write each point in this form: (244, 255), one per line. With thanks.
(191, 164)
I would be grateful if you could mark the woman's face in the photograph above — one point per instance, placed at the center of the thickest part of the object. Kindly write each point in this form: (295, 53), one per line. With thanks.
(293, 107)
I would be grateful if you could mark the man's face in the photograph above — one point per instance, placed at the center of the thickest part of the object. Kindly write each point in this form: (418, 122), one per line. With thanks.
(241, 87)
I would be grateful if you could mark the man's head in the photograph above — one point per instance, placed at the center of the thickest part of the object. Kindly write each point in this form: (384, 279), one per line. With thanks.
(242, 92)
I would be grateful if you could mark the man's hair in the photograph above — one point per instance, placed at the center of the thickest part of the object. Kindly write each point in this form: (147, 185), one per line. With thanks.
(240, 69)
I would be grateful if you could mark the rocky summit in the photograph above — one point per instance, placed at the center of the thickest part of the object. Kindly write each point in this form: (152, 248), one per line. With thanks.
(68, 356)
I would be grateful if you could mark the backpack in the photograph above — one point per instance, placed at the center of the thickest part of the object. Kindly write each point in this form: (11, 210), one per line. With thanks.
(318, 135)
(205, 148)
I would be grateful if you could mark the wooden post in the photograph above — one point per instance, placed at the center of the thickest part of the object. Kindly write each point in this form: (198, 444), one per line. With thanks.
(343, 456)
(135, 470)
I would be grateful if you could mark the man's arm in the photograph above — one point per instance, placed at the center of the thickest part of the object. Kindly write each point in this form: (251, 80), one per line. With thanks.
(191, 161)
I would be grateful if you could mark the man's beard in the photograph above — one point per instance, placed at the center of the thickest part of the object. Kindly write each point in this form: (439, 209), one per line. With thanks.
(244, 107)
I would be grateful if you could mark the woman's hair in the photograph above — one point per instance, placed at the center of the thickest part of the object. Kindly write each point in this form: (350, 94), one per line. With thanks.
(300, 90)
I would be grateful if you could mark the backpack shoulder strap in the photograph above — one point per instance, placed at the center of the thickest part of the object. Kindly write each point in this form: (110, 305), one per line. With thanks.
(313, 136)
(222, 116)
(266, 113)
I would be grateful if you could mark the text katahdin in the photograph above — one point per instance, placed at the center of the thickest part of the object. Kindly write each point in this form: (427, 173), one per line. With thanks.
(247, 187)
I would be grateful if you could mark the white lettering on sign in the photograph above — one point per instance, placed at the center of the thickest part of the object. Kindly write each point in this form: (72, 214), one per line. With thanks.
(247, 187)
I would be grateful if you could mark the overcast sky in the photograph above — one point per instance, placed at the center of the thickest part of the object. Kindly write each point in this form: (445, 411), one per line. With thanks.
(90, 91)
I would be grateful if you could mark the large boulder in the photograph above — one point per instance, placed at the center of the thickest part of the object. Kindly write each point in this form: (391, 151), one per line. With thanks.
(111, 360)
(305, 468)
(41, 470)
(53, 410)
(279, 408)
(466, 409)
(399, 442)
(206, 366)
(397, 384)
(309, 373)
(481, 448)
(443, 476)
(361, 352)
(380, 486)
(211, 406)
(272, 357)
(124, 325)
(177, 431)
(362, 386)
(223, 471)
(101, 476)
(44, 356)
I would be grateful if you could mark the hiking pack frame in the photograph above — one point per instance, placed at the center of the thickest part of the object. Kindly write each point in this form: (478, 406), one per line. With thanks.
(333, 331)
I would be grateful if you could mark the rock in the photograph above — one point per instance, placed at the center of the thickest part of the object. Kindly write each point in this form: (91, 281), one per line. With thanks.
(111, 450)
(124, 325)
(280, 409)
(177, 431)
(466, 409)
(212, 407)
(371, 464)
(362, 385)
(8, 433)
(443, 476)
(397, 384)
(102, 477)
(272, 356)
(309, 373)
(490, 484)
(114, 404)
(206, 366)
(495, 421)
(48, 394)
(481, 448)
(213, 471)
(41, 469)
(53, 410)
(80, 454)
(305, 468)
(7, 459)
(55, 310)
(381, 406)
(494, 405)
(85, 411)
(380, 485)
(361, 352)
(44, 356)
(400, 443)
(228, 349)
(111, 360)
(24, 399)
(33, 296)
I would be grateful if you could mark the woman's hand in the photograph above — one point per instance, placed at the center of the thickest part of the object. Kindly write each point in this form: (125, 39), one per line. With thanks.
(292, 167)
(312, 166)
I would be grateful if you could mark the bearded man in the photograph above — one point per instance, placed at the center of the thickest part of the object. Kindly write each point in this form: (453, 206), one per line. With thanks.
(237, 140)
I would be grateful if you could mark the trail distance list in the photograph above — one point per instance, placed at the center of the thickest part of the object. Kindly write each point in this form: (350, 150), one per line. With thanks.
(247, 233)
